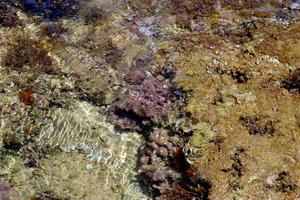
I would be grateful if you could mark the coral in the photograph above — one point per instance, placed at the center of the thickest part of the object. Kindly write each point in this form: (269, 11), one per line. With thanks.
(8, 17)
(26, 52)
(146, 100)
(165, 171)
(249, 45)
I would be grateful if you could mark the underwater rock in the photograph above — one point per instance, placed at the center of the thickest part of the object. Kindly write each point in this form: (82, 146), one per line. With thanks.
(92, 14)
(26, 52)
(82, 130)
(193, 9)
(54, 30)
(96, 89)
(165, 171)
(51, 9)
(42, 103)
(146, 100)
(237, 166)
(135, 75)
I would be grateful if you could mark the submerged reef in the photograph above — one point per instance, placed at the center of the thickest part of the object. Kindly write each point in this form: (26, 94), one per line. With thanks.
(136, 100)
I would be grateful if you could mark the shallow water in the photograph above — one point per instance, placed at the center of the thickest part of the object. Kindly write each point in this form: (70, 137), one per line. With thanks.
(50, 9)
(231, 106)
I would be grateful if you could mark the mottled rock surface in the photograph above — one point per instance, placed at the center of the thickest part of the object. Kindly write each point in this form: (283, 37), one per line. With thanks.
(208, 91)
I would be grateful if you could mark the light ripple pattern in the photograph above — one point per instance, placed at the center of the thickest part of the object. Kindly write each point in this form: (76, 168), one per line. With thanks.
(82, 128)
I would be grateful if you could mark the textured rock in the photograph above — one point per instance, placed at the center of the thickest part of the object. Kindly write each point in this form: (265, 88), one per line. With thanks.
(26, 52)
(165, 171)
(146, 100)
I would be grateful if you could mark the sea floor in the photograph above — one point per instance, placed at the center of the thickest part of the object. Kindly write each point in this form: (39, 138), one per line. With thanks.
(164, 100)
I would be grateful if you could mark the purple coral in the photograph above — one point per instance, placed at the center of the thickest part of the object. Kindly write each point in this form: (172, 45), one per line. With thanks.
(146, 100)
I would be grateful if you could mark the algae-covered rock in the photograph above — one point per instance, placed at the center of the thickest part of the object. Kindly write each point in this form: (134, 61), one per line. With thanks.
(212, 86)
